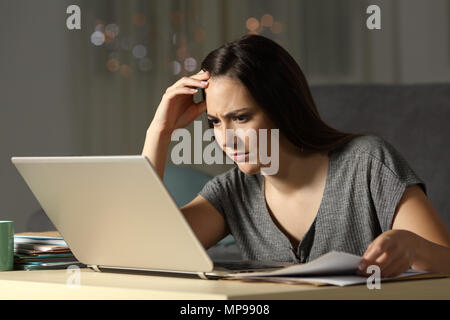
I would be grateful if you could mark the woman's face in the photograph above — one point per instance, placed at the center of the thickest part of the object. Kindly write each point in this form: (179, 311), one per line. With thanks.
(230, 106)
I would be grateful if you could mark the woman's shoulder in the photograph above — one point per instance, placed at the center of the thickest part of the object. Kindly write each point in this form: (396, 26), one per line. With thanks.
(373, 152)
(372, 146)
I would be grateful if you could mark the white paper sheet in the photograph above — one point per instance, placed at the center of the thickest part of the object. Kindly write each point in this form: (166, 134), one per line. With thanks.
(332, 263)
(341, 280)
(336, 268)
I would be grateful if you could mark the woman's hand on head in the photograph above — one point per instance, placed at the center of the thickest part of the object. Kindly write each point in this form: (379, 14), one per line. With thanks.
(177, 108)
(393, 251)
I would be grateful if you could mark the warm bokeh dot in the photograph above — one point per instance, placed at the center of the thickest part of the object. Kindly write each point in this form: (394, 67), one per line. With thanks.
(277, 27)
(199, 35)
(182, 53)
(267, 20)
(138, 19)
(125, 70)
(109, 36)
(99, 25)
(177, 17)
(112, 65)
(252, 24)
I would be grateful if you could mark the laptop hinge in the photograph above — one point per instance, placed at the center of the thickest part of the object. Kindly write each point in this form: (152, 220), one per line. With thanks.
(94, 267)
(202, 275)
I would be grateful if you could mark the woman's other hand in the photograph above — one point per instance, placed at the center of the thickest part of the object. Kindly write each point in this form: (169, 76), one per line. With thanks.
(393, 251)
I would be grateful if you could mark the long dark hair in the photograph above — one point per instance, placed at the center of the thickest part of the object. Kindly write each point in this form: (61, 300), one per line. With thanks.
(279, 87)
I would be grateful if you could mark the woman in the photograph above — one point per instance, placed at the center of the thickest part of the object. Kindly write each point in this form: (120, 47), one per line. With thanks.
(332, 191)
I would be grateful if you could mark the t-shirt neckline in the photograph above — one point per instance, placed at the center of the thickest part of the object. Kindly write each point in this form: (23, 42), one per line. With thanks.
(281, 235)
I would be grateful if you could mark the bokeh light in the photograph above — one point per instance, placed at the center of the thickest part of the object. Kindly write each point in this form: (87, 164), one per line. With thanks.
(139, 51)
(138, 19)
(252, 24)
(145, 64)
(125, 70)
(112, 65)
(177, 17)
(97, 38)
(99, 25)
(109, 36)
(182, 53)
(267, 20)
(176, 67)
(113, 29)
(277, 27)
(199, 35)
(190, 64)
(174, 38)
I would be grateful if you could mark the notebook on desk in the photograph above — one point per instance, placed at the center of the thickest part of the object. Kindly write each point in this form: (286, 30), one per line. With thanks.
(115, 214)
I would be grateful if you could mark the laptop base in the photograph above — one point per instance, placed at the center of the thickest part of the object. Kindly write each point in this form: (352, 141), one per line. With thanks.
(148, 272)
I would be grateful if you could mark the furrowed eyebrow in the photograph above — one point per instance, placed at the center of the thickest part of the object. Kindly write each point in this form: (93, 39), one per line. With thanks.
(229, 114)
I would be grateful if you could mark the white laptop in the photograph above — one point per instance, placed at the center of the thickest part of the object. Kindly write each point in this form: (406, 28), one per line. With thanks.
(116, 215)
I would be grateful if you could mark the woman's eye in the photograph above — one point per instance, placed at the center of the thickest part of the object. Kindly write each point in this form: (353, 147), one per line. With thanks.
(242, 118)
(212, 122)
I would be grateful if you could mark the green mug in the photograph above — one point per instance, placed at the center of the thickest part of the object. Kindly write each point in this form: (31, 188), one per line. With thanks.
(6, 245)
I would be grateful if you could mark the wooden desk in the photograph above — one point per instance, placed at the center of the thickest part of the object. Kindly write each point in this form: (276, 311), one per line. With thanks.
(52, 284)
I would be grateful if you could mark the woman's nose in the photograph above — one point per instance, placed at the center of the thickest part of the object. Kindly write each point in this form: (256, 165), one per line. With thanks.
(231, 140)
(226, 137)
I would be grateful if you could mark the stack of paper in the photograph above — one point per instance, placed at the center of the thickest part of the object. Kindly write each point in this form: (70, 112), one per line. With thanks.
(37, 251)
(335, 268)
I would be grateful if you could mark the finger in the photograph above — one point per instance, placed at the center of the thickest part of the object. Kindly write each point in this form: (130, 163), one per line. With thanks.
(361, 273)
(385, 262)
(201, 75)
(382, 262)
(394, 269)
(368, 259)
(382, 265)
(373, 254)
(188, 81)
(177, 91)
(376, 250)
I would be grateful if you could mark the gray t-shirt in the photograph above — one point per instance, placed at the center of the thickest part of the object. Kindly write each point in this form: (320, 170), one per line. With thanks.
(366, 179)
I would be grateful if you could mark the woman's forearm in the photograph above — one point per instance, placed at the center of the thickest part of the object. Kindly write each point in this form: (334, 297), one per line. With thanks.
(156, 147)
(430, 256)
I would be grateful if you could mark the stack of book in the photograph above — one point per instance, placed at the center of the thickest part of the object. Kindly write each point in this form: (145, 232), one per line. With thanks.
(37, 251)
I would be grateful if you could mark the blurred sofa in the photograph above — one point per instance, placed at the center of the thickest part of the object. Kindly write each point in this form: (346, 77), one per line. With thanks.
(414, 118)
